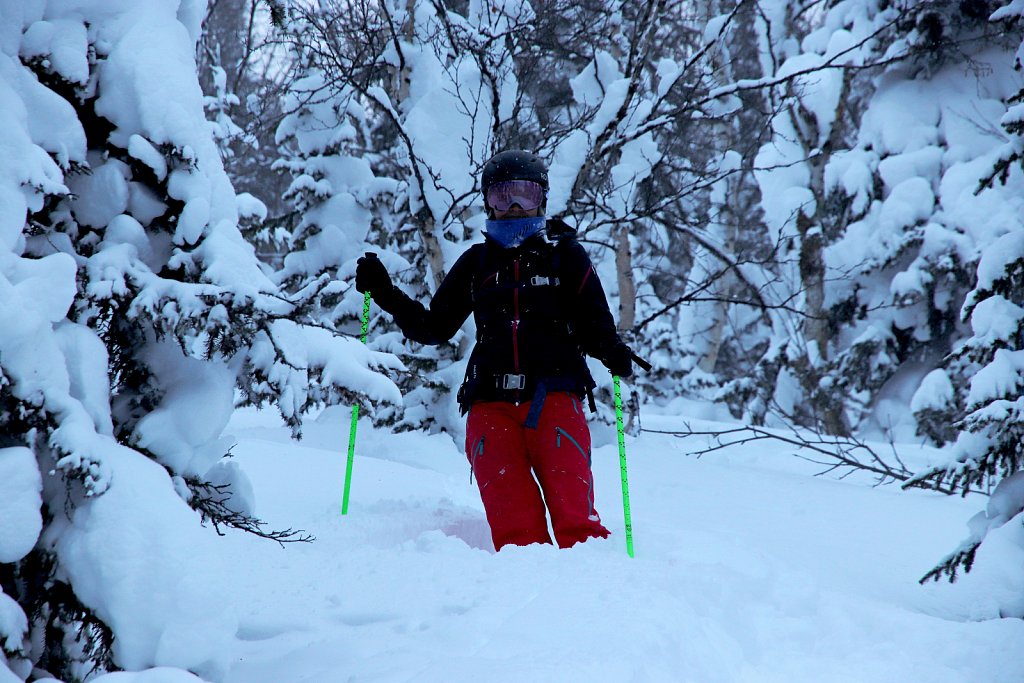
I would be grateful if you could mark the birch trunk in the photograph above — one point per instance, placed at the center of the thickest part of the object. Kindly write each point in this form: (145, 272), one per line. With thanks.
(431, 246)
(624, 274)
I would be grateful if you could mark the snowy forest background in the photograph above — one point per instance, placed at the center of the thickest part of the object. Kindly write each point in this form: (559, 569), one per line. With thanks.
(811, 212)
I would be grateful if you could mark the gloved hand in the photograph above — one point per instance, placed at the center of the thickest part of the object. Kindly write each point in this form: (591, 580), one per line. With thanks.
(372, 276)
(619, 360)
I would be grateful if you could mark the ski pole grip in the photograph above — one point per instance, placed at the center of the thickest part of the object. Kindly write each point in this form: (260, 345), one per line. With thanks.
(641, 362)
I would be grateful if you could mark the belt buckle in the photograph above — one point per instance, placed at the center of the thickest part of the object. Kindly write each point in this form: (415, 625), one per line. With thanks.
(513, 381)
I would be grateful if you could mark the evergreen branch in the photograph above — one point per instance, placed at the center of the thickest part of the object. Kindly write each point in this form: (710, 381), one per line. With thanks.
(278, 13)
(73, 638)
(961, 557)
(211, 502)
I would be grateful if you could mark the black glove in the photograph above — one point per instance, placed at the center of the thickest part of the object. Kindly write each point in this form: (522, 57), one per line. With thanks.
(372, 277)
(619, 360)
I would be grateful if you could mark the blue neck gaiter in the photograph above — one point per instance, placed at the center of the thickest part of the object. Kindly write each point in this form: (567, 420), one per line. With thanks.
(512, 232)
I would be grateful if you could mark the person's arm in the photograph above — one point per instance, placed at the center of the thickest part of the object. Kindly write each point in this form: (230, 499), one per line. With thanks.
(436, 324)
(591, 318)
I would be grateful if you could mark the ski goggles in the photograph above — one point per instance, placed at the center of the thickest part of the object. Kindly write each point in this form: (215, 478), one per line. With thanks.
(526, 193)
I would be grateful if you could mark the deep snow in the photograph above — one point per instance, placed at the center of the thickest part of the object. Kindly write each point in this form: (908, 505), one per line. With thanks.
(748, 569)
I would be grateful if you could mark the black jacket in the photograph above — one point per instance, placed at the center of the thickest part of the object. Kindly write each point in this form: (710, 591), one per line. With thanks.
(538, 308)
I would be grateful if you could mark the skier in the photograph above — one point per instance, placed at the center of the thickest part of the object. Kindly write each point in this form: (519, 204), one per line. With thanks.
(538, 306)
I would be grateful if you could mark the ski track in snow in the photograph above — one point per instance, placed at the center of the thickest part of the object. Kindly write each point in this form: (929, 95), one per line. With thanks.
(747, 569)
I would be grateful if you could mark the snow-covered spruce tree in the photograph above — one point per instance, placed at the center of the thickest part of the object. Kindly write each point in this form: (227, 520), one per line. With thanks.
(925, 225)
(920, 276)
(335, 196)
(130, 312)
(243, 72)
(1011, 16)
(872, 223)
(988, 453)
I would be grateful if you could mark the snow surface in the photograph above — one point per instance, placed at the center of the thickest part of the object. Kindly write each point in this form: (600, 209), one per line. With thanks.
(747, 568)
(20, 488)
(141, 560)
(936, 391)
(158, 675)
(13, 627)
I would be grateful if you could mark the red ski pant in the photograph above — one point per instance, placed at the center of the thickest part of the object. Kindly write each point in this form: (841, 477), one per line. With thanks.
(510, 460)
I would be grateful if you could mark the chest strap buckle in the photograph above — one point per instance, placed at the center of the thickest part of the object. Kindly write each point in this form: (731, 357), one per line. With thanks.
(513, 381)
(538, 280)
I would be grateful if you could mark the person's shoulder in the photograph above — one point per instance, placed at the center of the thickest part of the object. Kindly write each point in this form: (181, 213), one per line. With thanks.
(564, 239)
(558, 231)
(476, 259)
(472, 253)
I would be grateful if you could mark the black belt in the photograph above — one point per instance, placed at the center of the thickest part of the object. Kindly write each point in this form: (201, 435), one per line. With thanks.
(510, 381)
(544, 384)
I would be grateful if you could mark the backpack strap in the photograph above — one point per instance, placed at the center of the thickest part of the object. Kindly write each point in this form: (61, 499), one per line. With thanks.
(562, 234)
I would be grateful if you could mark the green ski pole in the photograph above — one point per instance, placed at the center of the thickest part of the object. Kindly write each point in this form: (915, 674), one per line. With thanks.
(622, 466)
(355, 415)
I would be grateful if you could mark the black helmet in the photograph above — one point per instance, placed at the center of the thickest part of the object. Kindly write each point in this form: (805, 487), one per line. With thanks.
(514, 164)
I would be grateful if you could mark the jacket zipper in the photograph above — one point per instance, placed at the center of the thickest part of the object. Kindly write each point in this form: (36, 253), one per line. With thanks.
(515, 323)
(559, 433)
